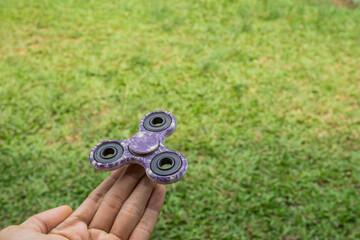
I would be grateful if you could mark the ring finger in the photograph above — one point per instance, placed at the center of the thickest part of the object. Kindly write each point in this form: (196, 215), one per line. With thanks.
(133, 209)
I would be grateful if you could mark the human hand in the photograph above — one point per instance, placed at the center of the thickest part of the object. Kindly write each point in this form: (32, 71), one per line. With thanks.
(125, 205)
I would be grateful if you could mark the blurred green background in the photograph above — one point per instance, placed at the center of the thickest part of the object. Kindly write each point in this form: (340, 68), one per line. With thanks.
(266, 94)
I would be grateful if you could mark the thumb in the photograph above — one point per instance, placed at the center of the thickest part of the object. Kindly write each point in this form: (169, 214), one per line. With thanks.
(45, 221)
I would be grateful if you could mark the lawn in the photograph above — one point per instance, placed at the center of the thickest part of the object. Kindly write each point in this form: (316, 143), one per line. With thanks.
(266, 95)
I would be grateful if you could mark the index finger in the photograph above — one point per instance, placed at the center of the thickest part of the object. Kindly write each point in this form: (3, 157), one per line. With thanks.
(88, 208)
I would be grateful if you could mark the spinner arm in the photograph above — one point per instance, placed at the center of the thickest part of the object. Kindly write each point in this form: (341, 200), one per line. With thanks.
(146, 148)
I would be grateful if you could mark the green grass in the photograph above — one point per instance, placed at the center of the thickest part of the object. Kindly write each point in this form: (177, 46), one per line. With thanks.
(266, 94)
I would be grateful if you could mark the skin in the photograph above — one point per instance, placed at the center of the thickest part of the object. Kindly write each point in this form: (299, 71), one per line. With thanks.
(126, 205)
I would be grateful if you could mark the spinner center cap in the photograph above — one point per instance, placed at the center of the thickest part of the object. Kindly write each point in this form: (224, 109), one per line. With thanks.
(143, 143)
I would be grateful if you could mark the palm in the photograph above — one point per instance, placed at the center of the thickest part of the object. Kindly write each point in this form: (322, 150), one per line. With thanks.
(79, 230)
(125, 206)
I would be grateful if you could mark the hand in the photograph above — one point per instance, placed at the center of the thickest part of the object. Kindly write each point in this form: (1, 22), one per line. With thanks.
(125, 205)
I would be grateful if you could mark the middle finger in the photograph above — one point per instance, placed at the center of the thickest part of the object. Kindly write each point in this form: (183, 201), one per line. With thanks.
(133, 209)
(115, 198)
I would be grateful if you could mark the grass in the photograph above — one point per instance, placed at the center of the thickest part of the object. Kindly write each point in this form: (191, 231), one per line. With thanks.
(266, 94)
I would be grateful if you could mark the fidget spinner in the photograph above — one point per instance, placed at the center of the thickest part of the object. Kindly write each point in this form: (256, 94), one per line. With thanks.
(146, 148)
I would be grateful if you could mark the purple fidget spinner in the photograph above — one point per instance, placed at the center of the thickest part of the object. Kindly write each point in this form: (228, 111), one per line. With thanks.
(146, 148)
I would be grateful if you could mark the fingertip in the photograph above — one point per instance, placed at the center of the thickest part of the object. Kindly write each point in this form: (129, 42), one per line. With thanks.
(157, 199)
(118, 172)
(67, 208)
(135, 169)
(161, 189)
